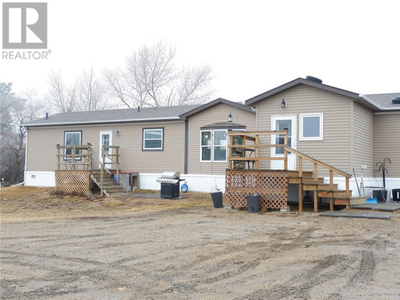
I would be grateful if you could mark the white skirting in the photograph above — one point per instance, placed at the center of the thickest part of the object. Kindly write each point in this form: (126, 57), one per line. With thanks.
(40, 179)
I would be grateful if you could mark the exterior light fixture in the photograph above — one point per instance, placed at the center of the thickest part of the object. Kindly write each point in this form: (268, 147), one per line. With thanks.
(117, 132)
(230, 118)
(283, 103)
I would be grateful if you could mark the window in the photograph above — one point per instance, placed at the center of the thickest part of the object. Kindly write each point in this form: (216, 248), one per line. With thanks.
(312, 127)
(153, 139)
(72, 138)
(213, 145)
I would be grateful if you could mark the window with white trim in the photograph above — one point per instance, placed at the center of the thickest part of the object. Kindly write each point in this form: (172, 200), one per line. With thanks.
(72, 138)
(311, 127)
(213, 145)
(153, 139)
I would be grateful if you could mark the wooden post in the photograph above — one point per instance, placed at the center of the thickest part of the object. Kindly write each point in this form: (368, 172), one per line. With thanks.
(331, 180)
(243, 162)
(316, 199)
(103, 156)
(73, 157)
(300, 166)
(230, 151)
(101, 179)
(89, 160)
(347, 187)
(58, 157)
(301, 195)
(285, 155)
(117, 161)
(256, 150)
(315, 172)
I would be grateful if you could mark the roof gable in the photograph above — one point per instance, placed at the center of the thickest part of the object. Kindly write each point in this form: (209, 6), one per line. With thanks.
(297, 82)
(214, 103)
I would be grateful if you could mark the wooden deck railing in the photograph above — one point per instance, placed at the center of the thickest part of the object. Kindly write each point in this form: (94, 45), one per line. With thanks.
(75, 158)
(254, 138)
(72, 156)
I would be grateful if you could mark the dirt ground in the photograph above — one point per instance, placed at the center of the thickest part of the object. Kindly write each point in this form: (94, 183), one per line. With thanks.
(124, 247)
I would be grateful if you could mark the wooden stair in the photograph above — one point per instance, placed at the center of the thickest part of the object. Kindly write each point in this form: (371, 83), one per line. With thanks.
(320, 189)
(109, 185)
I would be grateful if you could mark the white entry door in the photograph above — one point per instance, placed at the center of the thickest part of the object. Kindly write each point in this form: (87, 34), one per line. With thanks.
(279, 123)
(105, 140)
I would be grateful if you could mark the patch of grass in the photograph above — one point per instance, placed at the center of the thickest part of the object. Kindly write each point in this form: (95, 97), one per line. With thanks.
(18, 192)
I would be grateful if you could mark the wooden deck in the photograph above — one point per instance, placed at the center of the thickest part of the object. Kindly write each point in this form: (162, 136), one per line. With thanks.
(307, 181)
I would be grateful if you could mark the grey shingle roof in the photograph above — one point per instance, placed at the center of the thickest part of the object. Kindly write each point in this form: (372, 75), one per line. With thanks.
(383, 101)
(114, 116)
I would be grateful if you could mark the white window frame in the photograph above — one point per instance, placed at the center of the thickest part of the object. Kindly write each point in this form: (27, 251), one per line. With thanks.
(65, 144)
(321, 127)
(161, 148)
(205, 146)
(212, 146)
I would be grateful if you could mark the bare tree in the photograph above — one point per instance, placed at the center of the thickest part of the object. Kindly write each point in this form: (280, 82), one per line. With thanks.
(63, 98)
(92, 92)
(151, 78)
(14, 112)
(87, 93)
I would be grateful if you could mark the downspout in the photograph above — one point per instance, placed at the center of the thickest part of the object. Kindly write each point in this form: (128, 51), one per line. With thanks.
(185, 167)
(26, 154)
(351, 136)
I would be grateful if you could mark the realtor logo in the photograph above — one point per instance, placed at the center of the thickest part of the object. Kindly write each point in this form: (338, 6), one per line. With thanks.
(24, 25)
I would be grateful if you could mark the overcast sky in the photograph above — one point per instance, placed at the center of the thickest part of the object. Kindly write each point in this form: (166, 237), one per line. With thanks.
(252, 46)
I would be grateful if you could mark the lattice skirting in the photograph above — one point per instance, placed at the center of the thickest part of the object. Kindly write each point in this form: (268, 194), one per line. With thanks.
(70, 181)
(272, 186)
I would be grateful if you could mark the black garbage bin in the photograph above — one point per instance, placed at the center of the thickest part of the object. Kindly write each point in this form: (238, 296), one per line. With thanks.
(217, 199)
(253, 203)
(396, 194)
(380, 195)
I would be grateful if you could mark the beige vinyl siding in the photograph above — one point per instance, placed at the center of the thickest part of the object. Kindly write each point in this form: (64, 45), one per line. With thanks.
(387, 142)
(42, 146)
(363, 139)
(218, 113)
(334, 149)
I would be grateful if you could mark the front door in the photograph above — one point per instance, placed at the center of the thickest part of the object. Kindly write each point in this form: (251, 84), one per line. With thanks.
(105, 140)
(279, 123)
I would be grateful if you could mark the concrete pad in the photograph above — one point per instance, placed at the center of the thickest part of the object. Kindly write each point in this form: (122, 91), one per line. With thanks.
(357, 214)
(378, 206)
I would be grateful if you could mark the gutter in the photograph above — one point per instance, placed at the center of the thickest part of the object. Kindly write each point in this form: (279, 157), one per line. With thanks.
(101, 122)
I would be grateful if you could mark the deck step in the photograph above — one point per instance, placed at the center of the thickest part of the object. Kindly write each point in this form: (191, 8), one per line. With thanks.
(306, 174)
(303, 180)
(333, 194)
(109, 185)
(319, 187)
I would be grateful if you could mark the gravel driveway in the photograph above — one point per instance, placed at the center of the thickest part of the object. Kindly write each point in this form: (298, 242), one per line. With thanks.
(201, 253)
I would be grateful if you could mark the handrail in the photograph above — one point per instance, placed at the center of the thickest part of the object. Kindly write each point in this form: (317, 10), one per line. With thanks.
(112, 161)
(102, 168)
(117, 164)
(320, 163)
(96, 159)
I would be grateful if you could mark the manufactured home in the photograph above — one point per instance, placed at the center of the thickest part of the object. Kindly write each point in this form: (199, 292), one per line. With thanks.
(350, 131)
